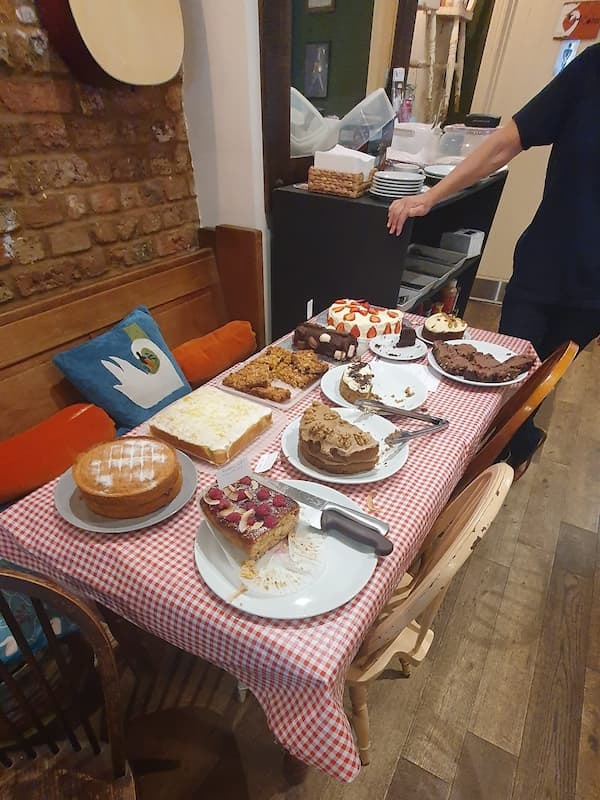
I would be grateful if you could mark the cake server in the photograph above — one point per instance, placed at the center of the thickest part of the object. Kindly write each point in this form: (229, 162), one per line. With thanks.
(377, 407)
(326, 516)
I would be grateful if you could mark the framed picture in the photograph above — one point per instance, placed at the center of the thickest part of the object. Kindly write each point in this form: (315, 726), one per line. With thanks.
(320, 5)
(316, 69)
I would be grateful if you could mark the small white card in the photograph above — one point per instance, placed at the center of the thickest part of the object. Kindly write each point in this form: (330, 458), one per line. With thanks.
(232, 472)
(266, 461)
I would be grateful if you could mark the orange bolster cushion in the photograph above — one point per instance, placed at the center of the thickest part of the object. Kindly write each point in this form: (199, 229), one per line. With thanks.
(202, 358)
(45, 451)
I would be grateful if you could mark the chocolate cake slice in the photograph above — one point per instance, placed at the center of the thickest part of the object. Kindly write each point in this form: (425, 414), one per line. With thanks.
(408, 335)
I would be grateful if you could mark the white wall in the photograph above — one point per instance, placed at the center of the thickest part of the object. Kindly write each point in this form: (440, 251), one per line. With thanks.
(222, 104)
(223, 111)
(517, 62)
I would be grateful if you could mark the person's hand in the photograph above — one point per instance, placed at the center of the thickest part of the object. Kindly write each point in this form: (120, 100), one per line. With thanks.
(400, 210)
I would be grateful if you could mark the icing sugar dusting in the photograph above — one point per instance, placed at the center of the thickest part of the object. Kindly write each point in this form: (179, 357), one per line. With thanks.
(132, 460)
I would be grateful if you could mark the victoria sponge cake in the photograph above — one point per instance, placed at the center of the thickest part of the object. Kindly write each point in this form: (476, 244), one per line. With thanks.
(211, 424)
(128, 477)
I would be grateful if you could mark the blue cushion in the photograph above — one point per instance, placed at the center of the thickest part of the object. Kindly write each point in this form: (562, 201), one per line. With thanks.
(128, 371)
(24, 612)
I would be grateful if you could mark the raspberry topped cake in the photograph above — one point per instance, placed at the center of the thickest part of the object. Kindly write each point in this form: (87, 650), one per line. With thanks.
(363, 320)
(250, 516)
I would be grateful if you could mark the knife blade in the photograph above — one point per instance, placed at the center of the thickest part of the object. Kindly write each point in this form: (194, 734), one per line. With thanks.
(327, 516)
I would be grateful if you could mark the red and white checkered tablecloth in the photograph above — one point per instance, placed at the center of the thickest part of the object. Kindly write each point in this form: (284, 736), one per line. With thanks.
(295, 669)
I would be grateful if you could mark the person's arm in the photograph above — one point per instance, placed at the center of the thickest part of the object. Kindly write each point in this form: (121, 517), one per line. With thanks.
(497, 150)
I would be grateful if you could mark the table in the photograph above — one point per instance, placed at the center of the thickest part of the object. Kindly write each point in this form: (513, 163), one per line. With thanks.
(295, 669)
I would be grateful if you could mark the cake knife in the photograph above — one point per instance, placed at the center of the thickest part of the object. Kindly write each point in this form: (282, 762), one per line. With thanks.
(326, 516)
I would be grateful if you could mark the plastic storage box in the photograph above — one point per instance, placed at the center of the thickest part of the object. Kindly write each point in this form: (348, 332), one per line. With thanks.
(459, 141)
(370, 124)
(309, 130)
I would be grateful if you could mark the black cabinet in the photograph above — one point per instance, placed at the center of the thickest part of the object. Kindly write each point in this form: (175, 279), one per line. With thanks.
(325, 247)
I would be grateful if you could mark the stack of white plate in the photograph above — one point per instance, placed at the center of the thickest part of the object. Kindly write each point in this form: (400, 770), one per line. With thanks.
(396, 184)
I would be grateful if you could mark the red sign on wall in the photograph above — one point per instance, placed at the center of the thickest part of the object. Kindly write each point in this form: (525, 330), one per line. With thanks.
(579, 20)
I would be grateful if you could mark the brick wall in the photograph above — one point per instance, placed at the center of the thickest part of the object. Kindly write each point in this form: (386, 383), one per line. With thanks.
(92, 181)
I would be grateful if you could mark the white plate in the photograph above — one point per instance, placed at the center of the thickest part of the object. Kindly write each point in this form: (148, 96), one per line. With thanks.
(389, 384)
(398, 176)
(70, 504)
(385, 347)
(419, 332)
(396, 184)
(348, 568)
(390, 459)
(403, 193)
(438, 171)
(501, 353)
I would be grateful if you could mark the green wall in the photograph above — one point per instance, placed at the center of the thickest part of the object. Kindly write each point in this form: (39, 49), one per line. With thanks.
(348, 31)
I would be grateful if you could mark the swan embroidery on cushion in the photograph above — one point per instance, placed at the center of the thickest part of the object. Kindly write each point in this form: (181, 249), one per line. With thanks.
(153, 376)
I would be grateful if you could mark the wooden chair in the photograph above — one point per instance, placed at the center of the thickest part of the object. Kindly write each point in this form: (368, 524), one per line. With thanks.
(518, 408)
(403, 627)
(50, 745)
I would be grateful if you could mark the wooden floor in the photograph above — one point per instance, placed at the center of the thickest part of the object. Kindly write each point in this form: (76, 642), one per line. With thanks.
(507, 703)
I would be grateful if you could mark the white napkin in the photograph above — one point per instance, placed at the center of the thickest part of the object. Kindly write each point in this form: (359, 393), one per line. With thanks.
(344, 159)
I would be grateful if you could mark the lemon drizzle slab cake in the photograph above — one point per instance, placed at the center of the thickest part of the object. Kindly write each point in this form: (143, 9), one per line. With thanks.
(129, 477)
(211, 424)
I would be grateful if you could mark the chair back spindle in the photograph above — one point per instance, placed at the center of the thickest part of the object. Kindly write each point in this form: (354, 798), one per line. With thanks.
(517, 409)
(448, 545)
(49, 705)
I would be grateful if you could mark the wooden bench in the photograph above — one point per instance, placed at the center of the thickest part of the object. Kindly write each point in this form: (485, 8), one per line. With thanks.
(188, 296)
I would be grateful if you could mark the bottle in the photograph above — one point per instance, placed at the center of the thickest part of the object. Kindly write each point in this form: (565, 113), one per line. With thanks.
(449, 294)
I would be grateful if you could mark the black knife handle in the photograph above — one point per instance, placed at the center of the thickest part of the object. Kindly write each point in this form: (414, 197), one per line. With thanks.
(332, 519)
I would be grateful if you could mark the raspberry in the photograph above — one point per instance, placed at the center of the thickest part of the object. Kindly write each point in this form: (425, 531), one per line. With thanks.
(223, 505)
(263, 510)
(279, 501)
(215, 493)
(234, 517)
(270, 521)
(241, 495)
(263, 494)
(246, 481)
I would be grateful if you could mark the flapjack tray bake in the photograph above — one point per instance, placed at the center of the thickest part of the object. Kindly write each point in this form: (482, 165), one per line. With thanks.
(276, 365)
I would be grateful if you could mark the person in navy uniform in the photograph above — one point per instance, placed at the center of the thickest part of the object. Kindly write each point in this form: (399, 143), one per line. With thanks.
(554, 292)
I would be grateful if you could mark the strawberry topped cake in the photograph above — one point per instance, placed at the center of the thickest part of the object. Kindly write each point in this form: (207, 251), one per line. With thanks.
(363, 320)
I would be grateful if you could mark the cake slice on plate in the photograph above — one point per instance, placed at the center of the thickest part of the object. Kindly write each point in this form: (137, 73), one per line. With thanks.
(356, 382)
(250, 516)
